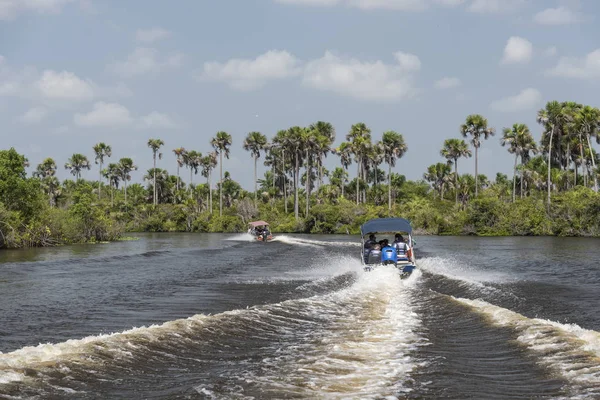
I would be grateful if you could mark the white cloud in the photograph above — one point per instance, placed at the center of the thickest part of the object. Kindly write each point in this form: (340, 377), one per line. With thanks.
(104, 115)
(33, 116)
(587, 67)
(447, 83)
(151, 35)
(402, 5)
(10, 9)
(156, 120)
(64, 85)
(249, 74)
(527, 99)
(365, 80)
(557, 16)
(494, 6)
(144, 60)
(517, 50)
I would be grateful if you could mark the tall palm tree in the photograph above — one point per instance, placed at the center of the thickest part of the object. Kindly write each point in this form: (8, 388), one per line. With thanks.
(394, 147)
(587, 121)
(439, 175)
(76, 163)
(155, 145)
(179, 152)
(309, 139)
(101, 150)
(208, 163)
(453, 150)
(293, 140)
(221, 143)
(510, 138)
(113, 175)
(476, 126)
(125, 167)
(324, 139)
(550, 117)
(344, 151)
(283, 142)
(255, 142)
(360, 139)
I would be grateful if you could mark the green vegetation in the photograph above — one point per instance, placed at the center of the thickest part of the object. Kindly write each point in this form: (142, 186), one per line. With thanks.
(553, 190)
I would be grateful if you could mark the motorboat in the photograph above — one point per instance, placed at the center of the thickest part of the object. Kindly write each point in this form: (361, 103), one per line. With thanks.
(388, 241)
(260, 230)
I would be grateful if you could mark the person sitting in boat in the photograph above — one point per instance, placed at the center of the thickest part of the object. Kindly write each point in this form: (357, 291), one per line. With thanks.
(401, 246)
(372, 241)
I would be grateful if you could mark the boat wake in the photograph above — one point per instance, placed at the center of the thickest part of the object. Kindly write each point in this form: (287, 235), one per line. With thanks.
(568, 349)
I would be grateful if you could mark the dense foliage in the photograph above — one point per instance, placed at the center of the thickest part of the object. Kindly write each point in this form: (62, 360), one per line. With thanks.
(553, 190)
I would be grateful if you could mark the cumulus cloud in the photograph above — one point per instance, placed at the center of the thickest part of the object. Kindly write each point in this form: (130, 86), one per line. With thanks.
(114, 115)
(447, 83)
(517, 50)
(365, 80)
(494, 6)
(402, 5)
(64, 85)
(33, 115)
(527, 99)
(144, 60)
(151, 35)
(557, 16)
(10, 9)
(587, 67)
(249, 74)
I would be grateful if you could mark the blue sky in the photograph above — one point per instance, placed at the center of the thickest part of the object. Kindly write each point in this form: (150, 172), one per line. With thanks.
(76, 72)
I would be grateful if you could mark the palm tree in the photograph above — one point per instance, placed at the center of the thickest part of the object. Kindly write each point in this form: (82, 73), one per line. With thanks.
(325, 136)
(294, 141)
(587, 121)
(101, 150)
(394, 147)
(208, 163)
(155, 145)
(76, 163)
(550, 117)
(476, 126)
(45, 169)
(439, 175)
(345, 152)
(179, 153)
(360, 139)
(255, 142)
(453, 150)
(221, 143)
(510, 138)
(125, 167)
(112, 174)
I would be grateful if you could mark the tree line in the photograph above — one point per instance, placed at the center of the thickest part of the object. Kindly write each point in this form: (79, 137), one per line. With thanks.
(563, 160)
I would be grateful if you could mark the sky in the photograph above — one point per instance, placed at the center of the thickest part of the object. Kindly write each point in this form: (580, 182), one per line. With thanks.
(77, 72)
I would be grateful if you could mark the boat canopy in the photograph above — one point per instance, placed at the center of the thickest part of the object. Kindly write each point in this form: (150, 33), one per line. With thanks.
(258, 223)
(385, 225)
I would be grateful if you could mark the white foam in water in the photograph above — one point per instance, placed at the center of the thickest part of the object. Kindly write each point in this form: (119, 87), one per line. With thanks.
(242, 237)
(567, 348)
(361, 349)
(454, 268)
(301, 242)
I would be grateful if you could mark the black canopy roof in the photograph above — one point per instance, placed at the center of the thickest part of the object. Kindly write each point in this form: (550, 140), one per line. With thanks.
(385, 225)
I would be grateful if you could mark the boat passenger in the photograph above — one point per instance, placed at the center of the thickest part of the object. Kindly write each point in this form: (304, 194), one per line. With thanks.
(401, 246)
(372, 241)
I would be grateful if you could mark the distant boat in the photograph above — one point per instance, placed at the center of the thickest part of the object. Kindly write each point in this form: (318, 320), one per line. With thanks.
(398, 250)
(260, 230)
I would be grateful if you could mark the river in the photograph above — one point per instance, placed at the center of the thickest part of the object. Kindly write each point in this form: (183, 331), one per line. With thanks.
(208, 316)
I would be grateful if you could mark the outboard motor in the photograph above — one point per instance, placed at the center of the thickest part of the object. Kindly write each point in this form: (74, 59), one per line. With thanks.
(264, 236)
(389, 256)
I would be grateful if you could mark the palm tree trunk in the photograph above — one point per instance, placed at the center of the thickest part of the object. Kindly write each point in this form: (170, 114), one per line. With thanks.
(283, 176)
(476, 174)
(549, 159)
(515, 178)
(308, 172)
(221, 184)
(100, 182)
(255, 188)
(112, 196)
(357, 180)
(389, 187)
(126, 191)
(568, 163)
(576, 173)
(296, 173)
(521, 177)
(178, 176)
(594, 174)
(442, 192)
(343, 182)
(456, 179)
(210, 202)
(154, 173)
